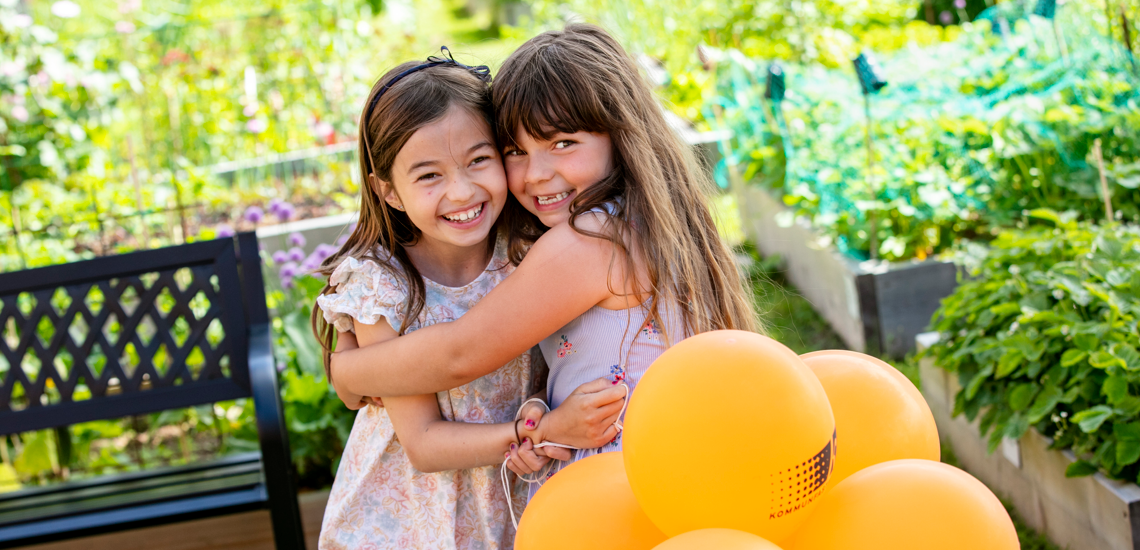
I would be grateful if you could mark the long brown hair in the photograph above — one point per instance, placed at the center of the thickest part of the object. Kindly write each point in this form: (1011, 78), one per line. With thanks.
(413, 101)
(581, 79)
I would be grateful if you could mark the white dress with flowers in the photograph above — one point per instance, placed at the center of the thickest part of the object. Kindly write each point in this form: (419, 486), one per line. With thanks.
(378, 499)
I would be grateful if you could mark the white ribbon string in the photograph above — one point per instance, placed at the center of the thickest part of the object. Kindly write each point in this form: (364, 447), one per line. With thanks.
(504, 476)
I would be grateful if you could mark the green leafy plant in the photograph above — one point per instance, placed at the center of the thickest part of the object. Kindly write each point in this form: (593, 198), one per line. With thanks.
(1044, 334)
(968, 134)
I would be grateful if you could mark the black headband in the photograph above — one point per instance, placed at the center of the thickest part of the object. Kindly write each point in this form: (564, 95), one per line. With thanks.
(480, 71)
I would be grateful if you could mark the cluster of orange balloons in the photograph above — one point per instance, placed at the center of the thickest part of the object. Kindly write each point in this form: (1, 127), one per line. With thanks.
(734, 442)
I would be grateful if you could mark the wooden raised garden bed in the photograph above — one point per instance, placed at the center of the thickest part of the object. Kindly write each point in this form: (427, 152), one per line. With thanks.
(1083, 513)
(875, 307)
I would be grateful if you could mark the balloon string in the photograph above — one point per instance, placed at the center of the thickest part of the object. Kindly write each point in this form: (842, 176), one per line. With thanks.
(504, 476)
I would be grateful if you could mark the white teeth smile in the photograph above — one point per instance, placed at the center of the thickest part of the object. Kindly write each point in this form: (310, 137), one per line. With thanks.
(466, 215)
(551, 199)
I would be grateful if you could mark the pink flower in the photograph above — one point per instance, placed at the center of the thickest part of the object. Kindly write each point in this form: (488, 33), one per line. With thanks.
(22, 20)
(250, 109)
(256, 125)
(562, 353)
(20, 113)
(124, 27)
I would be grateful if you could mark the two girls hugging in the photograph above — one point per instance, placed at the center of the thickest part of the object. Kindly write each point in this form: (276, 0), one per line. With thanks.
(554, 208)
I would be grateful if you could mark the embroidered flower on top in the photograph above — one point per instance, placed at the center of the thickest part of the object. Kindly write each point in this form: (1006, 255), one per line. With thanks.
(566, 348)
(650, 330)
(618, 374)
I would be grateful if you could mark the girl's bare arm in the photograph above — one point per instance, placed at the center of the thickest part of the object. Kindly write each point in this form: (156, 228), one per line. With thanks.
(564, 274)
(432, 443)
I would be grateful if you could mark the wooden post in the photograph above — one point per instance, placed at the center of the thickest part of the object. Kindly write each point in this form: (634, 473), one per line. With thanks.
(1104, 190)
(872, 217)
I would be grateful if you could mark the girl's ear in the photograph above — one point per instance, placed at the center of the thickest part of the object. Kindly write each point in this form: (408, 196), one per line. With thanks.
(386, 190)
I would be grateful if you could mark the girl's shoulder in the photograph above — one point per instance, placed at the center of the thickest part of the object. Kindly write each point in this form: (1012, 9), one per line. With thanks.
(365, 288)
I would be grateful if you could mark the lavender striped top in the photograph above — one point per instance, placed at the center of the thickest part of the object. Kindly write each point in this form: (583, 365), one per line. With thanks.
(605, 343)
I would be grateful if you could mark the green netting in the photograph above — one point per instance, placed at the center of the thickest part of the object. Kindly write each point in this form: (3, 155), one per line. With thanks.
(967, 136)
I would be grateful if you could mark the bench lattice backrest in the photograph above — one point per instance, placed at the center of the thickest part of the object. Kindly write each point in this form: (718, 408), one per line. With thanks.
(126, 335)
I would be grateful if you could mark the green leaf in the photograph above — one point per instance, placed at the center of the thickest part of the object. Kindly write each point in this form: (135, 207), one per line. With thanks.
(1021, 396)
(1091, 419)
(1009, 362)
(1115, 388)
(1007, 308)
(1072, 357)
(1080, 468)
(1044, 403)
(38, 455)
(304, 343)
(977, 381)
(1128, 355)
(1127, 451)
(9, 479)
(302, 388)
(1086, 342)
(1103, 360)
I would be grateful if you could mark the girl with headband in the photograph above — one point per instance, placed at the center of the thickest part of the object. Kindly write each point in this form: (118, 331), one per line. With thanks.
(420, 471)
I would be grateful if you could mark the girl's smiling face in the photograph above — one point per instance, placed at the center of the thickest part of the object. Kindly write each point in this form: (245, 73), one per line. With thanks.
(546, 175)
(449, 180)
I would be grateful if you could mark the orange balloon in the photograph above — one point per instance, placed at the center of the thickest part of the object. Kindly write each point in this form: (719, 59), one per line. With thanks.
(587, 504)
(908, 504)
(728, 429)
(879, 414)
(716, 539)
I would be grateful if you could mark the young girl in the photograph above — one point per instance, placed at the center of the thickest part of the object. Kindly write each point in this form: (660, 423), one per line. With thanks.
(420, 472)
(631, 263)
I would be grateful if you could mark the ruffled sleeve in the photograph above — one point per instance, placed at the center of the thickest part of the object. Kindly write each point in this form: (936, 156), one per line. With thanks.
(365, 291)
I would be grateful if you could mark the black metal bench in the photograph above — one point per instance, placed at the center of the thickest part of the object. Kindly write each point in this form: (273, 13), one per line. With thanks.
(160, 303)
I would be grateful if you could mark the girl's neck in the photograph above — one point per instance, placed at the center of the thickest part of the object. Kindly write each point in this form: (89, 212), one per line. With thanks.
(450, 265)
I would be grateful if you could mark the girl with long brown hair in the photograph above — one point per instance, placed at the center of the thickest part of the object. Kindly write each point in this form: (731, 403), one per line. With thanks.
(419, 471)
(631, 262)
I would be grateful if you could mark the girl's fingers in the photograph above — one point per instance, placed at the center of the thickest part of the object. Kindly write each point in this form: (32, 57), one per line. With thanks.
(593, 386)
(526, 452)
(612, 393)
(555, 453)
(518, 465)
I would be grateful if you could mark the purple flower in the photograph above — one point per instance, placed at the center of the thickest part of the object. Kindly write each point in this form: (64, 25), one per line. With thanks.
(281, 366)
(287, 282)
(343, 239)
(310, 264)
(254, 214)
(946, 18)
(960, 4)
(280, 257)
(324, 251)
(274, 205)
(285, 211)
(296, 239)
(223, 230)
(288, 271)
(296, 254)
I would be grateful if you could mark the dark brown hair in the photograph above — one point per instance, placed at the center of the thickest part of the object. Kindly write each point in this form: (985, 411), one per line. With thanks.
(410, 103)
(580, 79)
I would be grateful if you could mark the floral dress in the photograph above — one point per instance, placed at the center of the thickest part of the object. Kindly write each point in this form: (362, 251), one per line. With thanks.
(378, 499)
